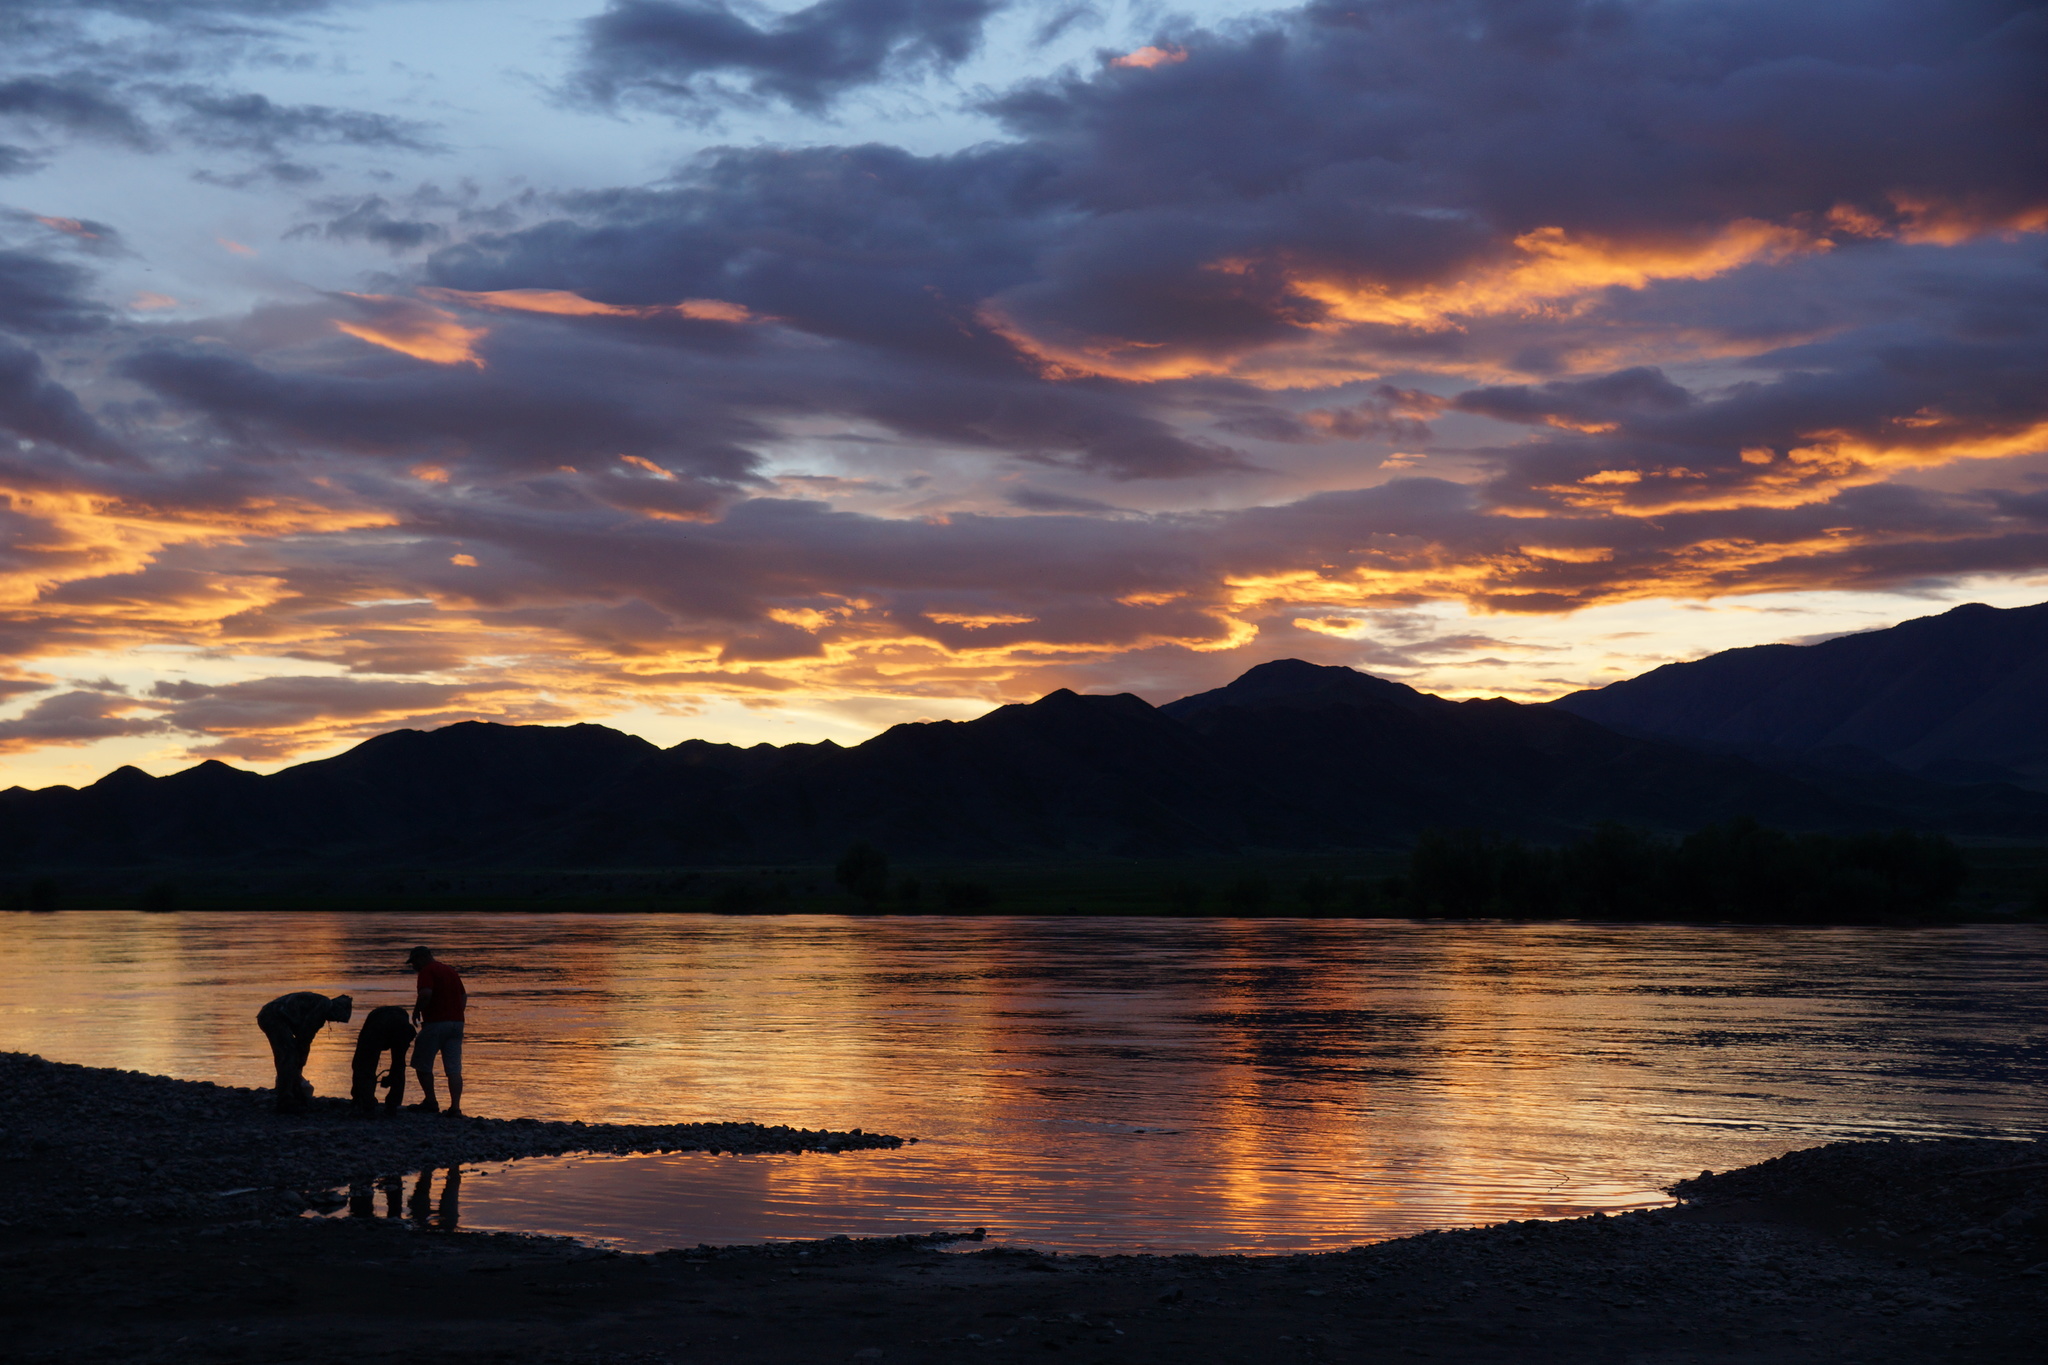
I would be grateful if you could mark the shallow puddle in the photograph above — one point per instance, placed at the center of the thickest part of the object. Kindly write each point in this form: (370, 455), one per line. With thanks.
(1093, 1204)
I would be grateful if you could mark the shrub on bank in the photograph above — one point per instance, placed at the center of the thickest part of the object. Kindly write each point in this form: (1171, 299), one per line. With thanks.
(1736, 871)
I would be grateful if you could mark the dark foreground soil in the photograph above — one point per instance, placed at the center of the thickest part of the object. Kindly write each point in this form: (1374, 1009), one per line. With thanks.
(117, 1243)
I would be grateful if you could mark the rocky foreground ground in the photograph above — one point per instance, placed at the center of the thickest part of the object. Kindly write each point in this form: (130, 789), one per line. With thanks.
(148, 1219)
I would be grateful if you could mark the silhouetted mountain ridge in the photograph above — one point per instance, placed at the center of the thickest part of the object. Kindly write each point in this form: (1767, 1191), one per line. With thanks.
(1951, 698)
(1291, 755)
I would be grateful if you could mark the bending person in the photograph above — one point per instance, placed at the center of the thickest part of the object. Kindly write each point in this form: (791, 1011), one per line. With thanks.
(289, 1022)
(384, 1030)
(438, 1011)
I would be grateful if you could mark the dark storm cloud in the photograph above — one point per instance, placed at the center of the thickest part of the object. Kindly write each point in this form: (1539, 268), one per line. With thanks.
(1390, 413)
(1176, 210)
(263, 718)
(370, 220)
(251, 122)
(681, 51)
(513, 417)
(86, 235)
(1338, 191)
(1643, 443)
(1331, 165)
(39, 296)
(871, 243)
(36, 408)
(77, 718)
(65, 74)
(2029, 506)
(1029, 499)
(73, 104)
(874, 249)
(1623, 393)
(266, 718)
(31, 12)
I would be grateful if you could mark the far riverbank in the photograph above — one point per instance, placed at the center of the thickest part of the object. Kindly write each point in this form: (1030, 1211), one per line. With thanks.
(2003, 884)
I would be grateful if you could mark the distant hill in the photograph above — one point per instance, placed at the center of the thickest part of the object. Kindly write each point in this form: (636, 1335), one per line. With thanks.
(1291, 756)
(1959, 697)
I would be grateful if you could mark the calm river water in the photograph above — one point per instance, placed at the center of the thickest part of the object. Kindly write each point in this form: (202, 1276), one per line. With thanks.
(1099, 1084)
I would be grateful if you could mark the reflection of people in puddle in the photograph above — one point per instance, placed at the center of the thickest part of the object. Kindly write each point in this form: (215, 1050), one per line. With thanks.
(451, 1199)
(362, 1197)
(384, 1030)
(447, 1215)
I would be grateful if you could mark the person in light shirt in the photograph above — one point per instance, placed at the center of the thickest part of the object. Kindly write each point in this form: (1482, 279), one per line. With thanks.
(438, 1010)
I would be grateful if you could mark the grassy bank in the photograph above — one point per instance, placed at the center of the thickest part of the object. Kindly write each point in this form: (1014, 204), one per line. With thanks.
(2002, 884)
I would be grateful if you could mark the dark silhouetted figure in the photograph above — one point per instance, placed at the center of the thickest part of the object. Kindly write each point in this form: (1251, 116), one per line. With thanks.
(438, 1010)
(289, 1022)
(385, 1029)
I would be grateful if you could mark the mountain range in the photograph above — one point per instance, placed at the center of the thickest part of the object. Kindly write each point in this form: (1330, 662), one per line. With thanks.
(1891, 728)
(1960, 697)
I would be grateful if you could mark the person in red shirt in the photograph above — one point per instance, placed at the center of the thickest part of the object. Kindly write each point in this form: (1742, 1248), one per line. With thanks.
(438, 1011)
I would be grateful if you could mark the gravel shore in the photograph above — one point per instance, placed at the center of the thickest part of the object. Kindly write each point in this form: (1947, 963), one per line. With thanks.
(149, 1219)
(131, 1145)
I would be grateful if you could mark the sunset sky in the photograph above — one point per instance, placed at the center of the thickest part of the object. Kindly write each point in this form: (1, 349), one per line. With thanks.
(769, 372)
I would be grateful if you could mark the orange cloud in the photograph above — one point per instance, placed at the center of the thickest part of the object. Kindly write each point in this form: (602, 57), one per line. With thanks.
(1546, 273)
(978, 620)
(1821, 465)
(1546, 276)
(641, 462)
(69, 226)
(414, 329)
(1950, 224)
(1148, 57)
(562, 303)
(1549, 269)
(66, 536)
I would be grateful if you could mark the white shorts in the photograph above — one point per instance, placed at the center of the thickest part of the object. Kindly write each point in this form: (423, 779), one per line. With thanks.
(444, 1036)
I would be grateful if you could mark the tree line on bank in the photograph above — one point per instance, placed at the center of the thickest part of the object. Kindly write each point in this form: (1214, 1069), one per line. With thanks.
(1739, 871)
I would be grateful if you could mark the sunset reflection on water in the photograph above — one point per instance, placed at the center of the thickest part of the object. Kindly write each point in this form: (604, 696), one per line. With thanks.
(1108, 1083)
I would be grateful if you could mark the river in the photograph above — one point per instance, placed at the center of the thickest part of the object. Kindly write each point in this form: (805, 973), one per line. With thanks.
(1103, 1084)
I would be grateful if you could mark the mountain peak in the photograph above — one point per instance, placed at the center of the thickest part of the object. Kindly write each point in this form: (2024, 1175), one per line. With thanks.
(1064, 698)
(212, 772)
(1296, 682)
